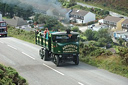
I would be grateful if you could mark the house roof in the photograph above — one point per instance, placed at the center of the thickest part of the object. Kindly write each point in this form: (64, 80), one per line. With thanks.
(61, 12)
(125, 21)
(112, 19)
(79, 12)
(16, 21)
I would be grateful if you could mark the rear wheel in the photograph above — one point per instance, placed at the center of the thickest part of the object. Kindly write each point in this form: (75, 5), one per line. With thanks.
(41, 53)
(76, 60)
(56, 60)
(46, 54)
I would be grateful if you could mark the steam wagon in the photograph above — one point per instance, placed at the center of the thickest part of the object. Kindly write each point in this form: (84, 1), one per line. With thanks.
(60, 47)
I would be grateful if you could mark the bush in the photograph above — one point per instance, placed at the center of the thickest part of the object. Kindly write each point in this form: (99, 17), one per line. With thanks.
(9, 76)
(75, 29)
(123, 52)
(102, 42)
(90, 50)
(90, 34)
(89, 23)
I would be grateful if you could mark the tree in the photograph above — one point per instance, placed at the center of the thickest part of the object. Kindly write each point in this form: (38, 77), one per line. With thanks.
(49, 22)
(102, 42)
(103, 33)
(9, 10)
(89, 34)
(120, 40)
(75, 29)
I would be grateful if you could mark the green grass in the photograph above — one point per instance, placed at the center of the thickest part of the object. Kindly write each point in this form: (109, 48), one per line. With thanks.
(116, 48)
(6, 18)
(21, 34)
(111, 63)
(83, 37)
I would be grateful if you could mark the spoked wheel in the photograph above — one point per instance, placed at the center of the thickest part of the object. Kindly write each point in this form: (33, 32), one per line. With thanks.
(76, 60)
(41, 53)
(56, 60)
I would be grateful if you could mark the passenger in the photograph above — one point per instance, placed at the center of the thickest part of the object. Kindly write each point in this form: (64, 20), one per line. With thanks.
(46, 32)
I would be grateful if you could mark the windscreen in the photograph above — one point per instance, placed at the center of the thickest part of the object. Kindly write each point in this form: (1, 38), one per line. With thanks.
(3, 24)
(65, 38)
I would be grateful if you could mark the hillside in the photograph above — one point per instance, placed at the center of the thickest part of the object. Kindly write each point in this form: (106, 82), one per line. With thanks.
(115, 5)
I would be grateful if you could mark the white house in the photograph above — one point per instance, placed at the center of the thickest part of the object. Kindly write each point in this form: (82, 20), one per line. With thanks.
(101, 21)
(81, 16)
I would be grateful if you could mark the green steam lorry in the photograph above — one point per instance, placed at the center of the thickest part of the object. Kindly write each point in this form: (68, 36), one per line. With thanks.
(60, 47)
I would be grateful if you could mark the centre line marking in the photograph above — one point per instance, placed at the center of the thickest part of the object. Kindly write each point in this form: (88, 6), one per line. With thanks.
(80, 83)
(28, 55)
(12, 47)
(53, 69)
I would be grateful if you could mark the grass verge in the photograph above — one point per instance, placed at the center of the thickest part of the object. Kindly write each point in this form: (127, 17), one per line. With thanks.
(111, 63)
(21, 34)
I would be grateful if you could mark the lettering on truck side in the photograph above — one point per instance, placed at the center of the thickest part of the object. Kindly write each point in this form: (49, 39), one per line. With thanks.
(70, 48)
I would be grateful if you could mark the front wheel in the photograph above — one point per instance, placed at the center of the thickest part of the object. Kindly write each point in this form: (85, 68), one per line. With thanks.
(76, 60)
(56, 60)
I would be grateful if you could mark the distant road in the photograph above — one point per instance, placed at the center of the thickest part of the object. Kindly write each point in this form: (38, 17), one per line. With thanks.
(111, 13)
(24, 57)
(26, 28)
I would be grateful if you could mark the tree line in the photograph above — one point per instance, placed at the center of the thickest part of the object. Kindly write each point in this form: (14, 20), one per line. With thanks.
(11, 10)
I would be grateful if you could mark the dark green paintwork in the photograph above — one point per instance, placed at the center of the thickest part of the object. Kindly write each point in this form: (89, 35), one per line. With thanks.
(58, 47)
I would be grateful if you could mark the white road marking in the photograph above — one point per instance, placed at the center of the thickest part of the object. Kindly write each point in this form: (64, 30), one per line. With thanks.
(53, 69)
(28, 55)
(80, 83)
(1, 42)
(12, 47)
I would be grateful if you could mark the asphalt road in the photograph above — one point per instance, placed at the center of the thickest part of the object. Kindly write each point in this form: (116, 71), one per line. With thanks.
(23, 56)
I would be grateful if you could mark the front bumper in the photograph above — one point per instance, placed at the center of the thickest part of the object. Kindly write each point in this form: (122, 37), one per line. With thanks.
(3, 33)
(68, 57)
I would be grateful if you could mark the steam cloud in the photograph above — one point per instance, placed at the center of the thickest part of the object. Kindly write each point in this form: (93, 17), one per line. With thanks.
(49, 7)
